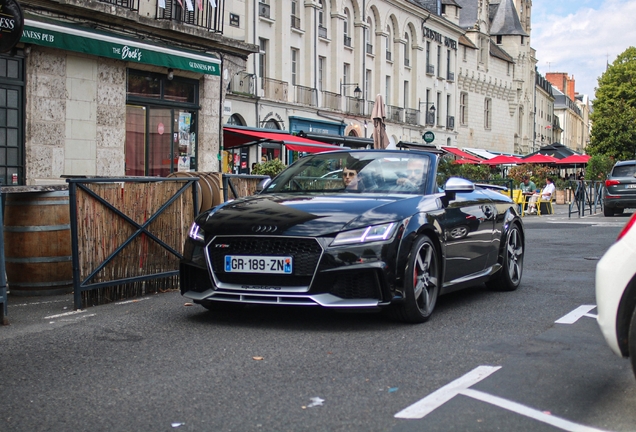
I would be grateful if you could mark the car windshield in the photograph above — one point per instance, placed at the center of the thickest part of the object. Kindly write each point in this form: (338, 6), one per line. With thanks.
(355, 172)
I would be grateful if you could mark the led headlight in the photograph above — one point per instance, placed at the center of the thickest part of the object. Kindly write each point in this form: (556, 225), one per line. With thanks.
(196, 233)
(366, 235)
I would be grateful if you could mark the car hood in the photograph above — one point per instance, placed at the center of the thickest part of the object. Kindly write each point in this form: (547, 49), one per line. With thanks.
(306, 215)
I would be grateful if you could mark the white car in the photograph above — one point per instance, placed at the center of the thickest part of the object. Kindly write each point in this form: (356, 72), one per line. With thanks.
(616, 293)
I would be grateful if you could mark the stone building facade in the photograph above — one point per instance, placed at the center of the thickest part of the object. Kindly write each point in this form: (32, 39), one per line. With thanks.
(117, 88)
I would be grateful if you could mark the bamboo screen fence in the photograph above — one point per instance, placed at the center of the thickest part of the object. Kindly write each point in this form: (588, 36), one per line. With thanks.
(113, 244)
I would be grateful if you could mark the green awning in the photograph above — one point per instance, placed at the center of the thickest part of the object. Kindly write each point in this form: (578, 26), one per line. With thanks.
(116, 47)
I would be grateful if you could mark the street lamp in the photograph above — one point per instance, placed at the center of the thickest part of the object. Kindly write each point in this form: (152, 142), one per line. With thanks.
(357, 92)
(430, 115)
(431, 109)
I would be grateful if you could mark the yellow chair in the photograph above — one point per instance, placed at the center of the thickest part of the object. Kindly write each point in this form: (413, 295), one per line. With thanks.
(548, 204)
(520, 199)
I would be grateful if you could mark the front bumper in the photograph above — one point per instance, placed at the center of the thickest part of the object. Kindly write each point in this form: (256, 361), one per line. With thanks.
(341, 277)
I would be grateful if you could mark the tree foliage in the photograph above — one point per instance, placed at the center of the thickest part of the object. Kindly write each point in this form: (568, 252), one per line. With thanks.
(598, 167)
(271, 168)
(614, 115)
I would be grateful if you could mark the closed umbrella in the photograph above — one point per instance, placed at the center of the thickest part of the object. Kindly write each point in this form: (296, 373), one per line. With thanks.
(380, 138)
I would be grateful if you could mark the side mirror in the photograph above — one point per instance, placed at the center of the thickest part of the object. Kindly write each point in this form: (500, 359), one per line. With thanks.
(263, 184)
(457, 184)
(453, 186)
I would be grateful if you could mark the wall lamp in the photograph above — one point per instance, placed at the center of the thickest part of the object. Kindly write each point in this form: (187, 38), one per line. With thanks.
(357, 92)
(170, 74)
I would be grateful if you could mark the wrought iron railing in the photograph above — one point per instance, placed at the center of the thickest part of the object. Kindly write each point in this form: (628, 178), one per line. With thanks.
(450, 76)
(295, 22)
(430, 118)
(133, 5)
(430, 69)
(388, 55)
(275, 89)
(412, 116)
(322, 32)
(331, 100)
(450, 122)
(354, 106)
(407, 62)
(369, 48)
(263, 10)
(347, 40)
(243, 83)
(306, 95)
(187, 12)
(394, 113)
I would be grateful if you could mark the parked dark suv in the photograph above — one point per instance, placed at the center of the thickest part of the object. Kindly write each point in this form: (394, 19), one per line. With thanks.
(621, 188)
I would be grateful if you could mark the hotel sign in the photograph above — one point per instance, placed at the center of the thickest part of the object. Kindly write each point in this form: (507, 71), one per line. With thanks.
(11, 24)
(439, 38)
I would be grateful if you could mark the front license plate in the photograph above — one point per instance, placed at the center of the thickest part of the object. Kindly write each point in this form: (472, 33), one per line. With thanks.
(258, 264)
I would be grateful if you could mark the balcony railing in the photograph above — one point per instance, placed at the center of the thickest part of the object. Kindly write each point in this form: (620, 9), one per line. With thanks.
(370, 104)
(430, 69)
(347, 40)
(354, 106)
(295, 22)
(331, 100)
(430, 119)
(450, 122)
(450, 76)
(394, 113)
(306, 96)
(210, 18)
(388, 55)
(407, 62)
(263, 10)
(369, 48)
(412, 116)
(133, 5)
(322, 32)
(243, 83)
(275, 89)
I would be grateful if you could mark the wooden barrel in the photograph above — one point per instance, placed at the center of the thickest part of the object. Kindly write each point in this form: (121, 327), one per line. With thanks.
(37, 242)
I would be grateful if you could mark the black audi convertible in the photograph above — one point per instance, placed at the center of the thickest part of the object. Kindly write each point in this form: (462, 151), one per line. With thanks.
(355, 229)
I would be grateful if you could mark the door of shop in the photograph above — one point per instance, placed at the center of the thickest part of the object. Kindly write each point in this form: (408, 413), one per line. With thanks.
(11, 120)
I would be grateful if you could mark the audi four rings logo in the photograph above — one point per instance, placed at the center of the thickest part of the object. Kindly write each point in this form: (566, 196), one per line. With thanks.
(264, 228)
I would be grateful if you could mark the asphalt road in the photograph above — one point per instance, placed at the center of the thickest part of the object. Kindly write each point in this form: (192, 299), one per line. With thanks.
(157, 364)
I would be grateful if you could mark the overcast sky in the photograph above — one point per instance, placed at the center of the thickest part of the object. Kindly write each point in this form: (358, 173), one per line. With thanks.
(579, 37)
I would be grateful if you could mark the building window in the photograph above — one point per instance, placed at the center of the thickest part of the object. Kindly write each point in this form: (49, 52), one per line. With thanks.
(439, 61)
(347, 38)
(389, 39)
(406, 94)
(407, 50)
(321, 72)
(463, 108)
(428, 53)
(295, 19)
(483, 50)
(488, 113)
(262, 60)
(158, 109)
(499, 39)
(294, 65)
(368, 36)
(464, 52)
(367, 84)
(387, 89)
(345, 78)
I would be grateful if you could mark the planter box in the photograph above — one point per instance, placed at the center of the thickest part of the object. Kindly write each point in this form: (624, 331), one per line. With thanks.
(560, 197)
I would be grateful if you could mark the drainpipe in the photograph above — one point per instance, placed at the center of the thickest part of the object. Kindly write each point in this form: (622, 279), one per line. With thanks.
(364, 62)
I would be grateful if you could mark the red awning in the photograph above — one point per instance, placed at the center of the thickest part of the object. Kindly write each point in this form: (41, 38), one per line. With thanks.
(461, 154)
(234, 137)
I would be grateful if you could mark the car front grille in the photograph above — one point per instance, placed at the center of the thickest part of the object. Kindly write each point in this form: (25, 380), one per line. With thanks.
(305, 254)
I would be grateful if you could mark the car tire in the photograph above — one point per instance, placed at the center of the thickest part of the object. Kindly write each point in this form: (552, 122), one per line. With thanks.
(422, 280)
(509, 277)
(631, 342)
(608, 211)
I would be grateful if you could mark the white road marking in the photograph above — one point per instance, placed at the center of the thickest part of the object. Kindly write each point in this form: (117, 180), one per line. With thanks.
(39, 303)
(132, 301)
(79, 311)
(528, 412)
(439, 397)
(461, 386)
(576, 314)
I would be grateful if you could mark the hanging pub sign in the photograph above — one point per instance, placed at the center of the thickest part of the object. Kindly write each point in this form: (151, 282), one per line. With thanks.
(11, 24)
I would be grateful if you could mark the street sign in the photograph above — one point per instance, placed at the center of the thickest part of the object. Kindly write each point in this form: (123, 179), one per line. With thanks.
(428, 137)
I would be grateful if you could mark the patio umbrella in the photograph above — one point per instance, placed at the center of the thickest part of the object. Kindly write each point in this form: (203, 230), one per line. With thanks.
(502, 160)
(380, 138)
(574, 159)
(465, 161)
(540, 159)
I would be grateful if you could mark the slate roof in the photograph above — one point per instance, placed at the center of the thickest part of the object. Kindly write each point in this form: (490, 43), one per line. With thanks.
(505, 21)
(468, 13)
(463, 40)
(497, 51)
